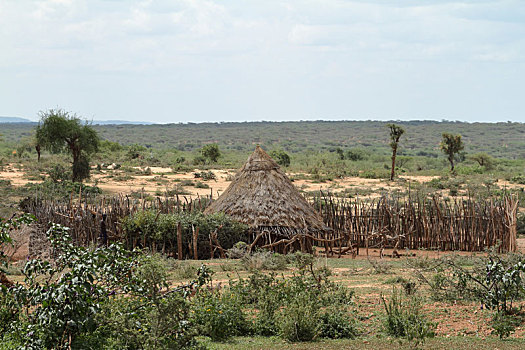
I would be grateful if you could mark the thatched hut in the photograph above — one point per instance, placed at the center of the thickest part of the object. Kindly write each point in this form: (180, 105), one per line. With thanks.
(264, 198)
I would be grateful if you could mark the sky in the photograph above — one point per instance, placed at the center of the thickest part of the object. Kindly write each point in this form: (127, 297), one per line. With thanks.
(170, 61)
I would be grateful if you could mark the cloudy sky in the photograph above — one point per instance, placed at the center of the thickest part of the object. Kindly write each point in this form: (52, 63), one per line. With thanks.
(239, 60)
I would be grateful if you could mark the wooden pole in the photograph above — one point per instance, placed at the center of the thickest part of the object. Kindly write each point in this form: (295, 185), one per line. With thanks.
(195, 236)
(179, 241)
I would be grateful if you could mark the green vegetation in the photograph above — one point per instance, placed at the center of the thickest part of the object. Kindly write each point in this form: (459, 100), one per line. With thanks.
(451, 145)
(60, 131)
(395, 134)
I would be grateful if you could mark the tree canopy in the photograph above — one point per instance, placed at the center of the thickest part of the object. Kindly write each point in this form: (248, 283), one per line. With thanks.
(451, 145)
(211, 152)
(60, 131)
(395, 134)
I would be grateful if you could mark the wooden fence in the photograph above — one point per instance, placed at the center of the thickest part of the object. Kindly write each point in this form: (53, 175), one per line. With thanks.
(421, 223)
(83, 214)
(413, 223)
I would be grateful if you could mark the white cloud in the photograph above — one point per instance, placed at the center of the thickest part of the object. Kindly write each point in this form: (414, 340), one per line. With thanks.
(297, 56)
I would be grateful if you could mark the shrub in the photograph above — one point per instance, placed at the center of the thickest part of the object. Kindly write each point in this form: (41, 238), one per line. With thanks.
(199, 184)
(404, 319)
(503, 325)
(299, 319)
(264, 260)
(281, 157)
(160, 230)
(219, 315)
(292, 306)
(519, 179)
(59, 190)
(59, 173)
(355, 154)
(335, 323)
(239, 250)
(76, 301)
(205, 175)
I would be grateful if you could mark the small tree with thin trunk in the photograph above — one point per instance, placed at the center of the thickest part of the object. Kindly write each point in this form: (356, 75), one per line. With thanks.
(395, 134)
(451, 145)
(59, 131)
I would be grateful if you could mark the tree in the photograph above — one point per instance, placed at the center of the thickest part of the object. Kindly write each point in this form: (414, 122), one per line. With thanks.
(211, 152)
(60, 131)
(395, 134)
(281, 157)
(483, 160)
(451, 145)
(355, 154)
(340, 153)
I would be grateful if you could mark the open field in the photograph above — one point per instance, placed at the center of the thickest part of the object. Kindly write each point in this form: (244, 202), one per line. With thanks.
(166, 168)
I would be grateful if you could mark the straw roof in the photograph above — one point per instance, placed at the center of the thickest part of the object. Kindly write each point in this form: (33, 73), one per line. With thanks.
(262, 196)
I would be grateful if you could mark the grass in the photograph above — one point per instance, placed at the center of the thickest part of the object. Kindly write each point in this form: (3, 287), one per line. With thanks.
(460, 324)
(248, 343)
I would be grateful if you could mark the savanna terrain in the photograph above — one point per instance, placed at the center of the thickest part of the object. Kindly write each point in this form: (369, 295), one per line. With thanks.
(438, 289)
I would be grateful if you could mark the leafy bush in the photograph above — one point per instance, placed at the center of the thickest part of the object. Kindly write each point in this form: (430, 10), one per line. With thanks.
(336, 323)
(60, 190)
(355, 154)
(219, 315)
(59, 172)
(199, 184)
(205, 175)
(96, 298)
(299, 308)
(281, 157)
(151, 229)
(519, 179)
(239, 250)
(264, 260)
(404, 319)
(503, 325)
(299, 319)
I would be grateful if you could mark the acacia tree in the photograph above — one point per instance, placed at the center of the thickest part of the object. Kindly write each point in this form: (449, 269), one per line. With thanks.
(281, 157)
(395, 134)
(451, 145)
(60, 131)
(211, 152)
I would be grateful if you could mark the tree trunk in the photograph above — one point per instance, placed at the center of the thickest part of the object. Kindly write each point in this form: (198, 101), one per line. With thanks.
(76, 158)
(392, 173)
(451, 160)
(37, 148)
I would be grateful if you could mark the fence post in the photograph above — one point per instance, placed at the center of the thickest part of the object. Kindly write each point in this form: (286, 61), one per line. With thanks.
(195, 236)
(179, 240)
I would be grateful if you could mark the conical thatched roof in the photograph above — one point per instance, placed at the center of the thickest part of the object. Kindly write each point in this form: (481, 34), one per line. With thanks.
(262, 196)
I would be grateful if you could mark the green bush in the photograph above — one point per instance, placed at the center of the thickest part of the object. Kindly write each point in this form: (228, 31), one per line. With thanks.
(153, 230)
(336, 323)
(403, 318)
(97, 298)
(299, 319)
(219, 315)
(299, 308)
(503, 325)
(264, 260)
(49, 189)
(519, 179)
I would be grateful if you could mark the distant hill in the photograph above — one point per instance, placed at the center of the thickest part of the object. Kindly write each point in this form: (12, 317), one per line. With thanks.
(95, 122)
(14, 120)
(422, 138)
(119, 122)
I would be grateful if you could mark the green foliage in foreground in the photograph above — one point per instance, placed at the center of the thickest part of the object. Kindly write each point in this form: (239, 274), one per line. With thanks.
(149, 229)
(103, 298)
(404, 319)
